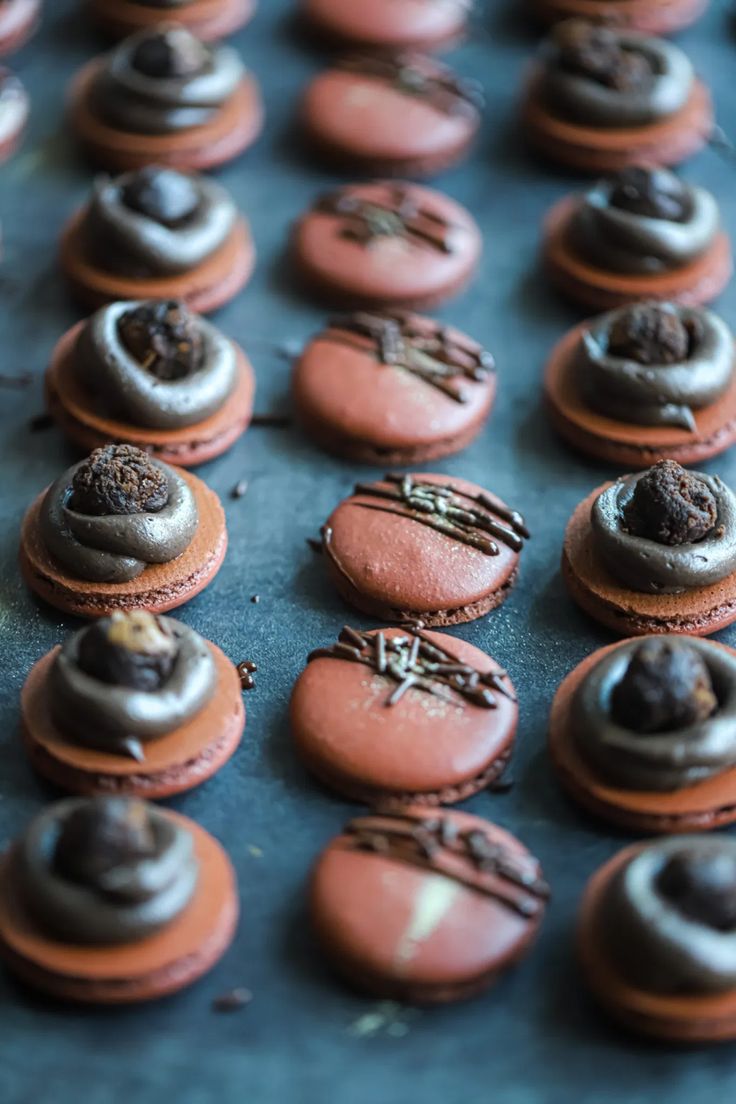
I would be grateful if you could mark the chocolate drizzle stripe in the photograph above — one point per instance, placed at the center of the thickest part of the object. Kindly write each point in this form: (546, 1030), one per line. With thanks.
(443, 89)
(365, 221)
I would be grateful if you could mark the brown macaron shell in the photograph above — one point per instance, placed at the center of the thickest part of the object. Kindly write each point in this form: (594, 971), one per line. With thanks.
(600, 150)
(393, 567)
(374, 920)
(692, 285)
(686, 1018)
(159, 588)
(421, 749)
(388, 24)
(230, 131)
(708, 804)
(125, 973)
(629, 445)
(373, 413)
(653, 17)
(697, 612)
(209, 20)
(364, 121)
(176, 762)
(77, 413)
(18, 22)
(390, 271)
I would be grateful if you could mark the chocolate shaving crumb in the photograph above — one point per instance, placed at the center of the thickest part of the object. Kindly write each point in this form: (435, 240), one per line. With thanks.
(240, 489)
(233, 1000)
(255, 599)
(246, 669)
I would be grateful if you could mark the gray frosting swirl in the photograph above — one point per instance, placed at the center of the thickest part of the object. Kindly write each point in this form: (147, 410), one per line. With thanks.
(650, 567)
(117, 547)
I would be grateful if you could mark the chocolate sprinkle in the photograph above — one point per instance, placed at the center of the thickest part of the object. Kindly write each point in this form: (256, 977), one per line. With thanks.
(400, 216)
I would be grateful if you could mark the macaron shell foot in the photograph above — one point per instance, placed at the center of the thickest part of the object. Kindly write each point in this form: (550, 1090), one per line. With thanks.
(209, 20)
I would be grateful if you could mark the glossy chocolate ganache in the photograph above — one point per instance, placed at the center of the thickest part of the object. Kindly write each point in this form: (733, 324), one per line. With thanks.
(654, 364)
(128, 679)
(666, 530)
(668, 918)
(109, 516)
(105, 870)
(658, 714)
(156, 221)
(643, 221)
(163, 81)
(154, 363)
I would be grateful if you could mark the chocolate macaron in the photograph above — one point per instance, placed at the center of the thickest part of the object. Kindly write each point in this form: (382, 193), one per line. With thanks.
(386, 245)
(425, 905)
(395, 115)
(423, 547)
(643, 734)
(209, 20)
(655, 552)
(14, 109)
(120, 531)
(153, 375)
(157, 233)
(114, 901)
(651, 17)
(389, 25)
(18, 21)
(643, 383)
(393, 388)
(657, 938)
(641, 234)
(602, 98)
(162, 96)
(395, 716)
(133, 704)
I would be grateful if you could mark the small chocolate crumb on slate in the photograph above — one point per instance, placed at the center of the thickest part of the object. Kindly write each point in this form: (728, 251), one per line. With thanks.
(40, 422)
(271, 421)
(233, 1000)
(240, 489)
(246, 669)
(255, 599)
(502, 785)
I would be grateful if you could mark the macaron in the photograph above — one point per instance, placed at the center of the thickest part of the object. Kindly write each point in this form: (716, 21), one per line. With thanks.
(655, 938)
(393, 388)
(388, 25)
(646, 382)
(601, 98)
(14, 111)
(426, 548)
(640, 234)
(655, 552)
(395, 716)
(134, 705)
(157, 233)
(18, 21)
(209, 20)
(119, 531)
(641, 734)
(425, 905)
(111, 900)
(401, 115)
(153, 375)
(163, 96)
(385, 245)
(651, 17)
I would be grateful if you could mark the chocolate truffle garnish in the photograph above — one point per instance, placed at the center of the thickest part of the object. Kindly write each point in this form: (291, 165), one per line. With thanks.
(652, 193)
(650, 334)
(702, 886)
(100, 836)
(671, 506)
(170, 53)
(132, 649)
(665, 687)
(164, 338)
(119, 479)
(594, 52)
(164, 195)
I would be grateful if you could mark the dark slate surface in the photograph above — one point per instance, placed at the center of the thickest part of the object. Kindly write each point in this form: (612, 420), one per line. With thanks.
(305, 1038)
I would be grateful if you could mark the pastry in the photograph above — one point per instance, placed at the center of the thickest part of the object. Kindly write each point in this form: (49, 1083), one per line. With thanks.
(18, 21)
(157, 233)
(209, 20)
(653, 17)
(643, 383)
(602, 98)
(394, 716)
(399, 115)
(132, 704)
(163, 96)
(389, 25)
(119, 531)
(393, 388)
(151, 374)
(655, 553)
(642, 234)
(643, 734)
(14, 109)
(111, 900)
(656, 938)
(425, 905)
(423, 547)
(383, 244)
